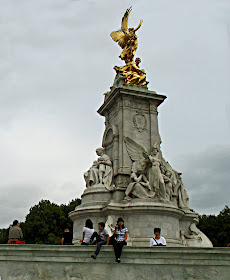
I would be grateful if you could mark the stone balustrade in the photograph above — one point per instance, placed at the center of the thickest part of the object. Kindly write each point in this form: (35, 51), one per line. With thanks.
(25, 262)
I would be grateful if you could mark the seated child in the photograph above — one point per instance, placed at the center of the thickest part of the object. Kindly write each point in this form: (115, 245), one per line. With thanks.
(158, 240)
(102, 238)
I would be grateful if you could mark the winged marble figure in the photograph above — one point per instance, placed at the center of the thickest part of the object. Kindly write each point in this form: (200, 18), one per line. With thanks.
(148, 164)
(138, 155)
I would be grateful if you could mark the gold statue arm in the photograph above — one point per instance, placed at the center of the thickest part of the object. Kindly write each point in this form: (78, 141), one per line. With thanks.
(138, 25)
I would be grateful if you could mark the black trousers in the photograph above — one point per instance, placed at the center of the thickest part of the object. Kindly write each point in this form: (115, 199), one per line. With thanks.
(118, 248)
(96, 236)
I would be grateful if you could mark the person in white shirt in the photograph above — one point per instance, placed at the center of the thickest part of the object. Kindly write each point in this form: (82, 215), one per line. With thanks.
(87, 232)
(158, 240)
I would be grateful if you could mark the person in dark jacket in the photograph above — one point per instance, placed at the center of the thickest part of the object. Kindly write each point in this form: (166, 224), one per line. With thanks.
(67, 237)
(15, 232)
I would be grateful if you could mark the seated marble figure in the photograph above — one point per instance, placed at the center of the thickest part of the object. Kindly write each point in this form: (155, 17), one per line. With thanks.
(139, 185)
(101, 172)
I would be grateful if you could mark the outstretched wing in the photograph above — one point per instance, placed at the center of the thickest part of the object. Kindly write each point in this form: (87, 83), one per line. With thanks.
(135, 151)
(124, 22)
(120, 37)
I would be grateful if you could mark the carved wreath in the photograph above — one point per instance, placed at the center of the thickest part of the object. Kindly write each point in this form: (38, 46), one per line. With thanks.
(140, 122)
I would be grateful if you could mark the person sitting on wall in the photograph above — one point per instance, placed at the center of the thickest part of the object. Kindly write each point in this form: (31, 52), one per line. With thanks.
(102, 238)
(67, 237)
(15, 233)
(87, 232)
(121, 235)
(158, 240)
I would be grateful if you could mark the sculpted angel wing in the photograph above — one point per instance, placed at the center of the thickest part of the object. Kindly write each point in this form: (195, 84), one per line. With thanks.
(120, 37)
(124, 22)
(137, 154)
(135, 151)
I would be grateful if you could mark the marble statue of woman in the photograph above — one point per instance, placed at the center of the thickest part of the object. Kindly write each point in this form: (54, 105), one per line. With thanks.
(155, 177)
(105, 168)
(181, 192)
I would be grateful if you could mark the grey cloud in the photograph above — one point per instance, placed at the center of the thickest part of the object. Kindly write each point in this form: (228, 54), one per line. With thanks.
(15, 202)
(57, 60)
(17, 199)
(207, 178)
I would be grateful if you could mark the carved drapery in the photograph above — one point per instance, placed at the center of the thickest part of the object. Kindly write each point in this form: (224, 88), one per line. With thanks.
(111, 145)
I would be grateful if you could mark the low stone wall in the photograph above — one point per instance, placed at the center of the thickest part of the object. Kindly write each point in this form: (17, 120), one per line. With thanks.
(32, 262)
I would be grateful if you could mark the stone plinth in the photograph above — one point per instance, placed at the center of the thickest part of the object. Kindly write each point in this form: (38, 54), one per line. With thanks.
(46, 262)
(129, 111)
(140, 219)
(144, 188)
(95, 196)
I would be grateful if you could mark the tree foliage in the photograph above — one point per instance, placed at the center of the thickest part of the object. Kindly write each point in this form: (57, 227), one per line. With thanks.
(4, 235)
(217, 228)
(45, 223)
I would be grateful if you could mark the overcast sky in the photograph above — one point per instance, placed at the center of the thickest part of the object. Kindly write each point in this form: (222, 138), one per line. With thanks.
(56, 61)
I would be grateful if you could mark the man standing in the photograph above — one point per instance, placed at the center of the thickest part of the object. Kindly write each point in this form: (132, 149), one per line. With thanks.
(15, 232)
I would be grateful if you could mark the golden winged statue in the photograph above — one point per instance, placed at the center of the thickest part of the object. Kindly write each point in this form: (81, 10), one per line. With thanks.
(127, 40)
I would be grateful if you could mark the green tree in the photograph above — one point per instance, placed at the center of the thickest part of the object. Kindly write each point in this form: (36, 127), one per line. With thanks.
(4, 235)
(217, 228)
(46, 222)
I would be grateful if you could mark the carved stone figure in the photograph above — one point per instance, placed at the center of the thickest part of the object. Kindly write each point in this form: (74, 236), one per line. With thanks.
(105, 168)
(139, 186)
(155, 177)
(101, 172)
(148, 165)
(168, 184)
(184, 237)
(181, 192)
(162, 180)
(127, 40)
(92, 175)
(196, 238)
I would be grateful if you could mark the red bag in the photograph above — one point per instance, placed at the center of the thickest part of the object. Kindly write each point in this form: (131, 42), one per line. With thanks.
(17, 242)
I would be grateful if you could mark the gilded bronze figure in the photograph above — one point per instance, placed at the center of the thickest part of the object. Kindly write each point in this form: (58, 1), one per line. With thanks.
(127, 40)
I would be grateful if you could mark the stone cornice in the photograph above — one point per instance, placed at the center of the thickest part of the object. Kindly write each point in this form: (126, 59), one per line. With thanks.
(132, 92)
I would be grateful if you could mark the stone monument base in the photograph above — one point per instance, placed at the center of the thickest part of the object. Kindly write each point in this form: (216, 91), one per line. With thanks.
(141, 216)
(48, 262)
